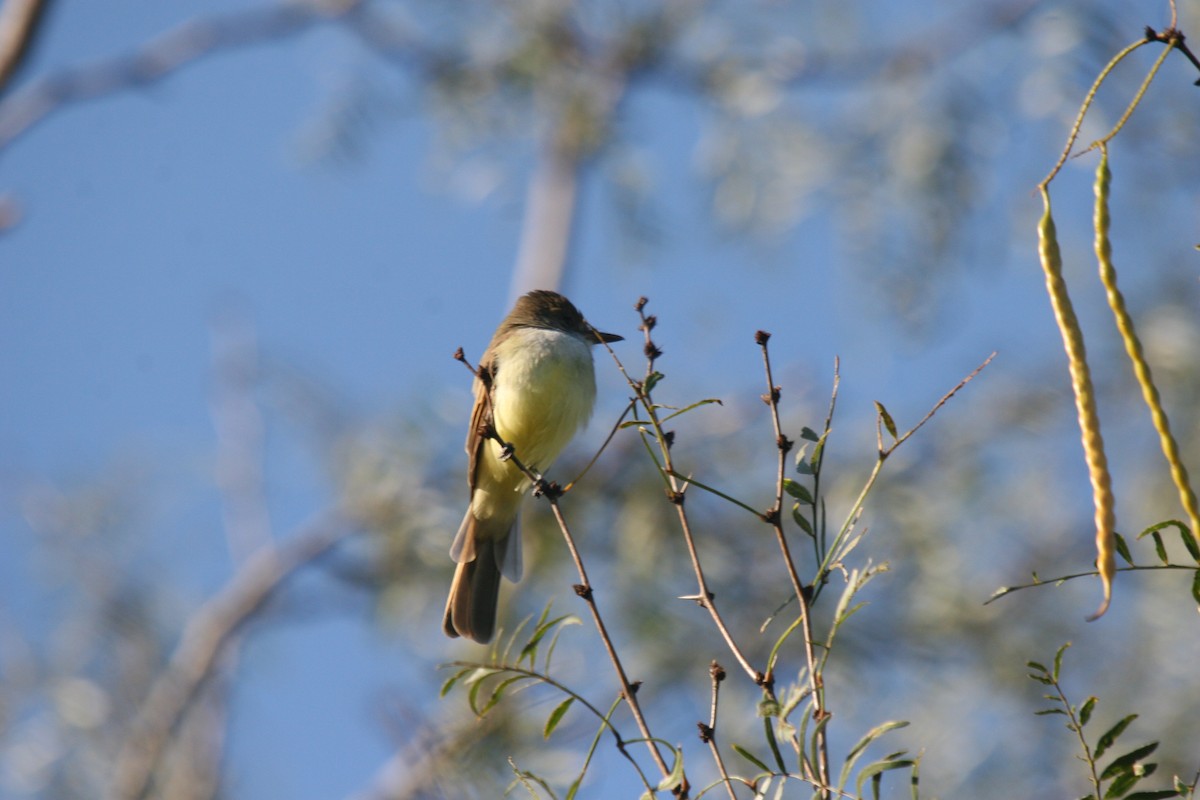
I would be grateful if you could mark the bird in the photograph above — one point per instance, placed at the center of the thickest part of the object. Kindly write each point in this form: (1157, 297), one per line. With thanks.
(535, 387)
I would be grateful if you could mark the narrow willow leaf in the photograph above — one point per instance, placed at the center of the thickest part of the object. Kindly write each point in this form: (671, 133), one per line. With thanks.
(1156, 795)
(652, 380)
(498, 692)
(1038, 666)
(769, 731)
(1085, 713)
(809, 434)
(695, 405)
(1120, 785)
(1159, 548)
(1123, 549)
(746, 754)
(1058, 661)
(452, 680)
(1110, 736)
(797, 490)
(863, 743)
(1196, 587)
(1126, 762)
(556, 717)
(1046, 711)
(886, 418)
(539, 633)
(1190, 543)
(675, 778)
(801, 520)
(878, 768)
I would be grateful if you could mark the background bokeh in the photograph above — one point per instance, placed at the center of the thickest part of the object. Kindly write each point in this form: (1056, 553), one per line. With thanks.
(229, 296)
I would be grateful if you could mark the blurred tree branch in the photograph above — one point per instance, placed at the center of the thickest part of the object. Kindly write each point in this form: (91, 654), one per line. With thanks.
(19, 24)
(202, 643)
(159, 58)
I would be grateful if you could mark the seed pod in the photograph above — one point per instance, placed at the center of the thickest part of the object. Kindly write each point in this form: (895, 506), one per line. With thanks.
(1085, 401)
(1133, 347)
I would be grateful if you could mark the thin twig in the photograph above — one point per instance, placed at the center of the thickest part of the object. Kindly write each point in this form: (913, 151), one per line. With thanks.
(628, 689)
(1004, 591)
(1171, 42)
(1083, 109)
(775, 518)
(676, 492)
(708, 732)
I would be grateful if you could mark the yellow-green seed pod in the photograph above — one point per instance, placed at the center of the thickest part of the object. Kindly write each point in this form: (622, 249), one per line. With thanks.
(1133, 347)
(1085, 401)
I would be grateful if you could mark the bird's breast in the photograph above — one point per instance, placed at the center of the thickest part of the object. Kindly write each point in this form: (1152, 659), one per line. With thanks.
(543, 393)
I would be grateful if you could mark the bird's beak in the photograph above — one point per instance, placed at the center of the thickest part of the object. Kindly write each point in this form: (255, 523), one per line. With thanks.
(607, 337)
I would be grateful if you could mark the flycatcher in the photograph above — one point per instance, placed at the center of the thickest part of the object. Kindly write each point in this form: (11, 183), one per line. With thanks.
(536, 386)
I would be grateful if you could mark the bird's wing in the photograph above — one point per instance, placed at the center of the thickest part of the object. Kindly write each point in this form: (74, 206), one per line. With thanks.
(481, 415)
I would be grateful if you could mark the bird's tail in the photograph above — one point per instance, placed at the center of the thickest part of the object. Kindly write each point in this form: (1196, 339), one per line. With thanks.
(471, 607)
(481, 555)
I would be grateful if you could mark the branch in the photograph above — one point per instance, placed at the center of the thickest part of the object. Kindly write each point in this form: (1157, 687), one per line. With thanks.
(200, 647)
(159, 58)
(19, 23)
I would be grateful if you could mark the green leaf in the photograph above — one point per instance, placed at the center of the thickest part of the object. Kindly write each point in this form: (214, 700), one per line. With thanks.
(1058, 661)
(556, 717)
(1042, 679)
(1123, 549)
(1038, 666)
(675, 778)
(1196, 587)
(878, 768)
(697, 404)
(1185, 533)
(769, 732)
(802, 520)
(768, 708)
(863, 743)
(809, 434)
(651, 381)
(453, 679)
(1128, 762)
(1110, 736)
(1159, 548)
(746, 754)
(797, 490)
(498, 692)
(886, 418)
(1120, 785)
(1085, 713)
(1189, 541)
(539, 633)
(476, 680)
(1155, 795)
(1046, 711)
(815, 459)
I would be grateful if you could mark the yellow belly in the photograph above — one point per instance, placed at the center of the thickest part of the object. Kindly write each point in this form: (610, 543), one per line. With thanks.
(543, 394)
